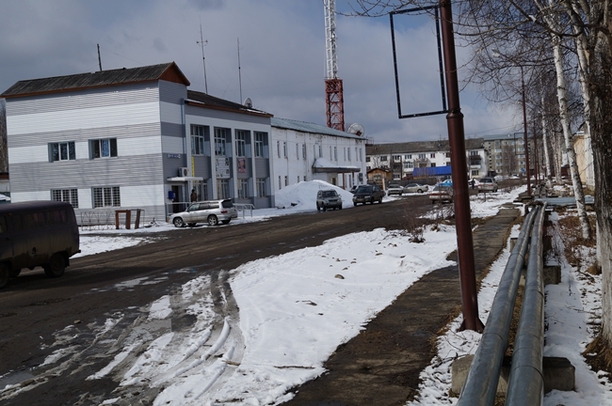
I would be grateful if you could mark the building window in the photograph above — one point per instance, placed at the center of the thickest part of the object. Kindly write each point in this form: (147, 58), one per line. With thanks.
(367, 159)
(223, 191)
(383, 158)
(285, 149)
(241, 141)
(278, 148)
(422, 156)
(286, 180)
(104, 148)
(304, 151)
(320, 151)
(106, 196)
(62, 151)
(280, 185)
(408, 165)
(297, 151)
(198, 135)
(432, 155)
(336, 154)
(261, 187)
(397, 158)
(409, 156)
(243, 189)
(260, 143)
(348, 150)
(221, 137)
(66, 195)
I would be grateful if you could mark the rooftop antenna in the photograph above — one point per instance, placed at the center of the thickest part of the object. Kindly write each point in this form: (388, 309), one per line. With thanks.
(202, 43)
(239, 74)
(99, 58)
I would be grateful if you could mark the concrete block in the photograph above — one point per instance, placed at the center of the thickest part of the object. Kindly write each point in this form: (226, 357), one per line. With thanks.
(552, 275)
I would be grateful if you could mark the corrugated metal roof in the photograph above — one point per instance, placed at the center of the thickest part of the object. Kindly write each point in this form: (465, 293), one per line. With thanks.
(211, 101)
(304, 126)
(167, 71)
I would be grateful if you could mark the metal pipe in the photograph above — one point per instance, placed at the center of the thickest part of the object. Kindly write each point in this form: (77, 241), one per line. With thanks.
(526, 382)
(480, 385)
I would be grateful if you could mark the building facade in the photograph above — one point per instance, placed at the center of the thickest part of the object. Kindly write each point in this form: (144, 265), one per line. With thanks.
(505, 154)
(138, 138)
(306, 151)
(408, 160)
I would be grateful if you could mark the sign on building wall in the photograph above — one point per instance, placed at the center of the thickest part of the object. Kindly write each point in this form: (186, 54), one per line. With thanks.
(241, 165)
(223, 168)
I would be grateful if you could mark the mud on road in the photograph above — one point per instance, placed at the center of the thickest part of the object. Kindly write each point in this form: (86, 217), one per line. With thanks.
(89, 316)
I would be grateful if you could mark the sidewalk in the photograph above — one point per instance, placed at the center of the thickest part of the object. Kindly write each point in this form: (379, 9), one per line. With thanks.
(381, 365)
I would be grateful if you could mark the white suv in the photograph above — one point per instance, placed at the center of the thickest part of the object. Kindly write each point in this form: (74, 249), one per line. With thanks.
(209, 211)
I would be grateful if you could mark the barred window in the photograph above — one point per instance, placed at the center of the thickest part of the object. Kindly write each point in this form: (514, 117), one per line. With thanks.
(66, 195)
(107, 196)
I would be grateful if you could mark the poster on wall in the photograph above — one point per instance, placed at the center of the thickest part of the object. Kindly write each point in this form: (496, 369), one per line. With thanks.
(241, 165)
(223, 168)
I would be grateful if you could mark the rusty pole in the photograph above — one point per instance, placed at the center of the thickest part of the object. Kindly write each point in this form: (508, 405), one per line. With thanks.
(456, 138)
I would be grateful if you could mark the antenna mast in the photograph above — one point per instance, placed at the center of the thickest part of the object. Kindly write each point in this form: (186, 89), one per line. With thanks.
(239, 72)
(202, 43)
(334, 97)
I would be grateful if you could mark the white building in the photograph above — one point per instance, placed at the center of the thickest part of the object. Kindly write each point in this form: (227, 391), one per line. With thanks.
(137, 138)
(306, 151)
(406, 160)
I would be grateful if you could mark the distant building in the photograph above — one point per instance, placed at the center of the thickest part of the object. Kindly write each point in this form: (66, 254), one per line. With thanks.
(407, 160)
(505, 154)
(139, 139)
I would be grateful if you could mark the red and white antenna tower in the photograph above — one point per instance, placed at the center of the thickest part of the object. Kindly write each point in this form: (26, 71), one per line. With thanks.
(334, 98)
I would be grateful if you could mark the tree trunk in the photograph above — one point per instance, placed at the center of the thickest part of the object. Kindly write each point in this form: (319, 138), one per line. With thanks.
(567, 136)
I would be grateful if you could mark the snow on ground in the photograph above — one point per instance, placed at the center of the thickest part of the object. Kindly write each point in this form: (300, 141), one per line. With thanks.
(293, 316)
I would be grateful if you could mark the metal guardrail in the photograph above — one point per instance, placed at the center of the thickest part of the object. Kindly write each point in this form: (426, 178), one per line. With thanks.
(481, 382)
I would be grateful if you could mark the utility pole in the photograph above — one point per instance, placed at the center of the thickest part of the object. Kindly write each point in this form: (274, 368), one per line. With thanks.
(456, 138)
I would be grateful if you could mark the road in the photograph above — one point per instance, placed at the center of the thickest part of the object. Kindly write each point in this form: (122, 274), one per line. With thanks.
(39, 315)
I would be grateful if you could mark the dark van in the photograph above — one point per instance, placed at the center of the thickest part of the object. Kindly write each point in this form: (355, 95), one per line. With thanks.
(39, 233)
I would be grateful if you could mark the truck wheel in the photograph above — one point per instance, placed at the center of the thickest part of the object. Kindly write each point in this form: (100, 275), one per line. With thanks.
(56, 267)
(4, 275)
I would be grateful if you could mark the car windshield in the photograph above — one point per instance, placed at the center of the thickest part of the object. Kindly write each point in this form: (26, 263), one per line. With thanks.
(364, 189)
(329, 193)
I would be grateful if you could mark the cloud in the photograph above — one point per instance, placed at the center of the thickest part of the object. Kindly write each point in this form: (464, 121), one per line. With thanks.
(281, 46)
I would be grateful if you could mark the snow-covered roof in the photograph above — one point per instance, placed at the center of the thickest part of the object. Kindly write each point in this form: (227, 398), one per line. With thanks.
(306, 127)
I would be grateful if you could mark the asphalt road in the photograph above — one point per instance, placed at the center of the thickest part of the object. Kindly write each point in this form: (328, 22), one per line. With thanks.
(35, 310)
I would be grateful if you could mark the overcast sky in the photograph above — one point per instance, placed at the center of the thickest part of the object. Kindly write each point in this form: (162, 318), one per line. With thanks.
(282, 57)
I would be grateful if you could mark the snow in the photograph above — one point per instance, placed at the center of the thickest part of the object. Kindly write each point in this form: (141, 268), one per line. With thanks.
(296, 308)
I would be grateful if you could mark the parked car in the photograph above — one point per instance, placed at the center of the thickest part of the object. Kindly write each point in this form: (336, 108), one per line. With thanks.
(209, 211)
(38, 233)
(395, 189)
(368, 194)
(328, 199)
(487, 185)
(415, 188)
(441, 193)
(353, 188)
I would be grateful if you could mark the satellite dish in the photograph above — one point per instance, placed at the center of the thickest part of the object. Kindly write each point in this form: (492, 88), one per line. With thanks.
(248, 102)
(356, 129)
